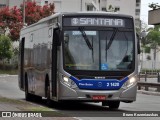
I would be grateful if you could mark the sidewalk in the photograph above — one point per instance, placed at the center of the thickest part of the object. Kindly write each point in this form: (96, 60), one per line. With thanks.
(151, 91)
(22, 107)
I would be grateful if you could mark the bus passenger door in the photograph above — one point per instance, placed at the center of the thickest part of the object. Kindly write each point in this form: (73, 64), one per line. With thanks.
(21, 63)
(55, 44)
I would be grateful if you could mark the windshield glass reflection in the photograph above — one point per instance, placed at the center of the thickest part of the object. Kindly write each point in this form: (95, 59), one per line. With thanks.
(98, 50)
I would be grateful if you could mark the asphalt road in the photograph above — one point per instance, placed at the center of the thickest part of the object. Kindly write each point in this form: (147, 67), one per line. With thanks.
(9, 88)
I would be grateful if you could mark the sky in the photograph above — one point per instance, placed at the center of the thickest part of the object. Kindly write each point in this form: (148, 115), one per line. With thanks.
(145, 9)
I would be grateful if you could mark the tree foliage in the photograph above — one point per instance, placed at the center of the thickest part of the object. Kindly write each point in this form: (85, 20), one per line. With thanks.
(112, 9)
(35, 12)
(5, 47)
(154, 6)
(11, 18)
(153, 37)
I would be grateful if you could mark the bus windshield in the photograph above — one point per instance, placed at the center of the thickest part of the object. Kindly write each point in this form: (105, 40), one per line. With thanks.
(101, 50)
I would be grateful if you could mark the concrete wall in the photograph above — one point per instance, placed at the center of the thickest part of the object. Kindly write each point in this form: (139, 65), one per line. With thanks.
(150, 64)
(154, 17)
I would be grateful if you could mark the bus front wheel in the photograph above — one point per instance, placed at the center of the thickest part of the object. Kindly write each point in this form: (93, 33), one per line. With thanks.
(113, 104)
(49, 101)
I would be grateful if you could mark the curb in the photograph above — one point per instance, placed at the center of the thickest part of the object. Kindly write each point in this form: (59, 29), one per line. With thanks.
(22, 106)
(7, 75)
(148, 92)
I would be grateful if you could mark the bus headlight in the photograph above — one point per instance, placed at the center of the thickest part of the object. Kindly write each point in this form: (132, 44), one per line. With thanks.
(67, 81)
(132, 80)
(129, 83)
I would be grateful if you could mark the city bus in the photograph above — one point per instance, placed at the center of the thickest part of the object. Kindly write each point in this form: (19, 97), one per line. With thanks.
(80, 57)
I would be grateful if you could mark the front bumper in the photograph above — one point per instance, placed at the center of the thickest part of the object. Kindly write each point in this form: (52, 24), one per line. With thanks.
(67, 93)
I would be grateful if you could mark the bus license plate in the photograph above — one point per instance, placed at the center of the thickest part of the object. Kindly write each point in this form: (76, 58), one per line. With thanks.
(98, 97)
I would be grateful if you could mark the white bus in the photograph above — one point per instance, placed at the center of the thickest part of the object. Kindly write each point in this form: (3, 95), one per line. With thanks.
(80, 57)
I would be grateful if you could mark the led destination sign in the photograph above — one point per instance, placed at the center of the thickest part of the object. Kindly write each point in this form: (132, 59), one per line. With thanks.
(109, 22)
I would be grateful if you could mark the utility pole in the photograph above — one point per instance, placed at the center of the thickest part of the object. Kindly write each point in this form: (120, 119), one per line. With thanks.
(81, 5)
(99, 5)
(24, 7)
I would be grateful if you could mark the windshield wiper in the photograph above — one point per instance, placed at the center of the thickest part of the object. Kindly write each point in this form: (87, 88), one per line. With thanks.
(81, 29)
(111, 39)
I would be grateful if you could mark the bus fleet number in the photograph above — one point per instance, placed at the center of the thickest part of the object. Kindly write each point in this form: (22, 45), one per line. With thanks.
(112, 84)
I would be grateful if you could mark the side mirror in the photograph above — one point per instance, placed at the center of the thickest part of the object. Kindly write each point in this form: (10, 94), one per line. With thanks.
(56, 37)
(138, 44)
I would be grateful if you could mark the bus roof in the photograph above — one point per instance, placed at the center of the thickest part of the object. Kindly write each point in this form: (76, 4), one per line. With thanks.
(96, 13)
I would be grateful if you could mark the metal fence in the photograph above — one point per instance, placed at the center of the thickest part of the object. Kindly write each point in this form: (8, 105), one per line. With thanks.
(149, 76)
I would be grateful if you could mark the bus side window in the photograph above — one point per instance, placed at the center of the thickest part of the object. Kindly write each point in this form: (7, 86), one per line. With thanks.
(50, 32)
(31, 37)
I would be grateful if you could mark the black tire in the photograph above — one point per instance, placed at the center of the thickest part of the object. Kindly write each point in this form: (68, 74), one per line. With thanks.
(28, 96)
(113, 104)
(37, 98)
(49, 101)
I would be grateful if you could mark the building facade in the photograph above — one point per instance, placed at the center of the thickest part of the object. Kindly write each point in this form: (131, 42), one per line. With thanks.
(11, 3)
(129, 7)
(3, 3)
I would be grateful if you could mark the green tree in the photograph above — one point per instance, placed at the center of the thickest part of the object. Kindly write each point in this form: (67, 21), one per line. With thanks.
(153, 39)
(5, 48)
(11, 20)
(34, 12)
(154, 6)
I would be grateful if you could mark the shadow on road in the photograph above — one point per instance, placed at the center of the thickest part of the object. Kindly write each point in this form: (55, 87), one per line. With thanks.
(76, 106)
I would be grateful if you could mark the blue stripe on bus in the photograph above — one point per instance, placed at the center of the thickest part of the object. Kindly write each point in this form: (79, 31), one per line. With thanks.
(99, 84)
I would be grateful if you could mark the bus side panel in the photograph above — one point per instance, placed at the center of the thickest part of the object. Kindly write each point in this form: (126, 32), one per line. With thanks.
(41, 67)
